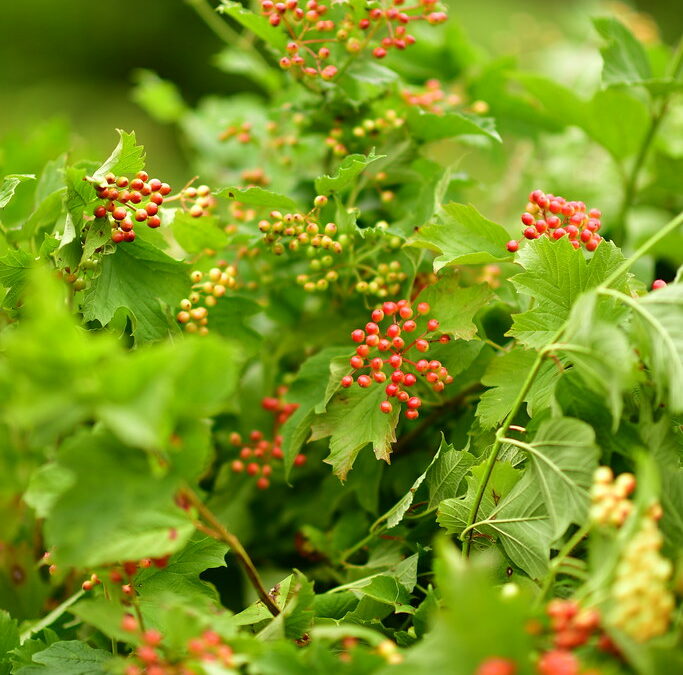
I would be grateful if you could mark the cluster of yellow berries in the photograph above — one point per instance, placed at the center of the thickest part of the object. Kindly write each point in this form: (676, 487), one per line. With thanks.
(610, 504)
(197, 201)
(194, 310)
(387, 282)
(643, 603)
(370, 128)
(294, 230)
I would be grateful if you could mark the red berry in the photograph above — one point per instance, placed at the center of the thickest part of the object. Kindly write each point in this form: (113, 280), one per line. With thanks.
(358, 335)
(385, 406)
(496, 666)
(558, 662)
(527, 219)
(421, 345)
(414, 402)
(379, 376)
(559, 233)
(405, 312)
(395, 361)
(390, 308)
(153, 221)
(397, 376)
(377, 315)
(394, 330)
(391, 389)
(262, 483)
(141, 215)
(530, 233)
(362, 350)
(412, 414)
(117, 236)
(119, 213)
(253, 469)
(165, 189)
(372, 328)
(377, 363)
(237, 466)
(364, 381)
(129, 236)
(512, 246)
(403, 396)
(409, 326)
(100, 212)
(155, 184)
(658, 283)
(129, 623)
(423, 308)
(379, 52)
(409, 380)
(142, 175)
(432, 324)
(152, 637)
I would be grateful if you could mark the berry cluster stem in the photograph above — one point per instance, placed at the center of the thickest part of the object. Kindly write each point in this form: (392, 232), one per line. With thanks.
(218, 531)
(631, 178)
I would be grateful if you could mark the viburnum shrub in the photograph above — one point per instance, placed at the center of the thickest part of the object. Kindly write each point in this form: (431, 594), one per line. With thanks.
(332, 410)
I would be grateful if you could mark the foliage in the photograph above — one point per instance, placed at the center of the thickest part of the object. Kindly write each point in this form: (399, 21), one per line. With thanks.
(313, 412)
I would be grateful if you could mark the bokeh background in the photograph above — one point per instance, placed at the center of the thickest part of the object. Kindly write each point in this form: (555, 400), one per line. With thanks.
(67, 68)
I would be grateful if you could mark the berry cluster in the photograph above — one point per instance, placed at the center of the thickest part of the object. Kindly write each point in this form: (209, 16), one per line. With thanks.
(385, 282)
(432, 97)
(368, 133)
(572, 626)
(609, 497)
(555, 217)
(194, 311)
(241, 133)
(404, 372)
(255, 177)
(312, 32)
(643, 603)
(294, 230)
(257, 454)
(130, 201)
(197, 201)
(495, 665)
(150, 656)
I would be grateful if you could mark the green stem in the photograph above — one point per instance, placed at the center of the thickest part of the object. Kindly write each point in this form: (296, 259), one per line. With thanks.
(560, 558)
(493, 455)
(222, 29)
(631, 178)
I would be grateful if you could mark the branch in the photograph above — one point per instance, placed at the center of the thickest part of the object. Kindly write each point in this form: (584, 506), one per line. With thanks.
(218, 531)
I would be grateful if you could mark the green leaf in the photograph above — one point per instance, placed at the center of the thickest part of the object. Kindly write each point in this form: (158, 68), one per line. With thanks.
(71, 657)
(99, 234)
(160, 98)
(600, 351)
(463, 237)
(455, 306)
(563, 456)
(47, 484)
(197, 234)
(181, 574)
(308, 390)
(555, 276)
(238, 61)
(258, 25)
(116, 509)
(9, 186)
(446, 473)
(256, 196)
(432, 127)
(9, 635)
(660, 317)
(350, 168)
(624, 58)
(127, 159)
(505, 375)
(14, 274)
(144, 281)
(354, 420)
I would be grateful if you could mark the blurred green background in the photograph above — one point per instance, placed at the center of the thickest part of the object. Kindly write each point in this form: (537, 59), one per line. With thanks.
(66, 69)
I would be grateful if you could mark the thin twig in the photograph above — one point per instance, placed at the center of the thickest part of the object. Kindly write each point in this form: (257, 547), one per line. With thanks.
(218, 531)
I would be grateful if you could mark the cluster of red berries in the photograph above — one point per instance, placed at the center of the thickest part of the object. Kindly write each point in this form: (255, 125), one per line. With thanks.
(126, 204)
(255, 177)
(257, 454)
(150, 658)
(197, 201)
(241, 133)
(294, 230)
(390, 343)
(194, 310)
(571, 625)
(312, 34)
(555, 218)
(434, 98)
